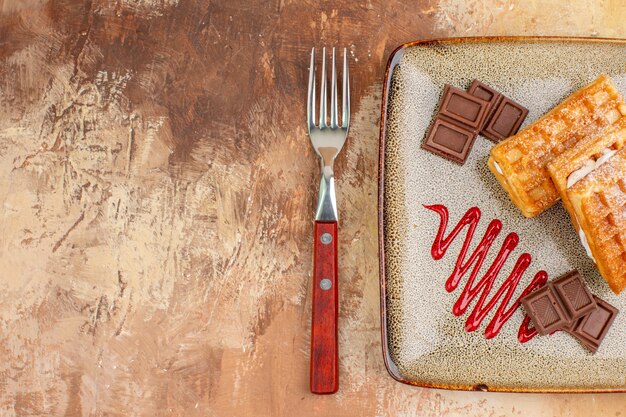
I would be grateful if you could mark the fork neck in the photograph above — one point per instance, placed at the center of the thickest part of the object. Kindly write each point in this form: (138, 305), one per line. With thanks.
(327, 202)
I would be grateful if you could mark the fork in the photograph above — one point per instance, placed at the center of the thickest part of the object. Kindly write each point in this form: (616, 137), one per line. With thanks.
(327, 140)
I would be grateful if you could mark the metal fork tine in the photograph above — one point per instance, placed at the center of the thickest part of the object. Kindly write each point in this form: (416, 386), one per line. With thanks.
(328, 137)
(345, 97)
(310, 108)
(333, 96)
(323, 92)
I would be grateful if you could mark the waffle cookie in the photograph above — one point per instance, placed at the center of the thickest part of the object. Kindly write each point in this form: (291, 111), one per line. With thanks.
(598, 203)
(576, 163)
(520, 162)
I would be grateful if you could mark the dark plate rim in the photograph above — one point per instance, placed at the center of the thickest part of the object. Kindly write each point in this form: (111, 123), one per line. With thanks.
(393, 61)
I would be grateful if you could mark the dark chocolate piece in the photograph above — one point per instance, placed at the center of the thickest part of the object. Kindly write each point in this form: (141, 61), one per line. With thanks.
(449, 140)
(491, 96)
(575, 297)
(506, 120)
(567, 304)
(544, 310)
(592, 328)
(462, 108)
(482, 91)
(570, 329)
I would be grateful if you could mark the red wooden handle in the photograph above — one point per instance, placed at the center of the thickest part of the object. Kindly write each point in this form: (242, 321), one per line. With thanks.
(324, 351)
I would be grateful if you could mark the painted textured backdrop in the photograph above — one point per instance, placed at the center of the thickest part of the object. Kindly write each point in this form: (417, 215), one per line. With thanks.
(157, 189)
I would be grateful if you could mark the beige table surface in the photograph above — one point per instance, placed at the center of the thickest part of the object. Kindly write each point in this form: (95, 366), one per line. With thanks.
(157, 188)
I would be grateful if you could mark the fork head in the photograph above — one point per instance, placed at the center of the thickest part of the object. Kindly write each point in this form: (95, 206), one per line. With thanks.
(328, 136)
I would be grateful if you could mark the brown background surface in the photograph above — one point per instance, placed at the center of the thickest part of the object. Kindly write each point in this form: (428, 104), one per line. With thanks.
(157, 189)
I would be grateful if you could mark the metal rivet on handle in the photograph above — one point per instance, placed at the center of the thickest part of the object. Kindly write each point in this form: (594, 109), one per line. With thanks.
(326, 238)
(325, 284)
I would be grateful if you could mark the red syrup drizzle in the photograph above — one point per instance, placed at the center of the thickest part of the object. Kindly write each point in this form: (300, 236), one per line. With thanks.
(485, 284)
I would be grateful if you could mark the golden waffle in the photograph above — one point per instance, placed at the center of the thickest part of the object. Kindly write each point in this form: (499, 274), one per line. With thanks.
(519, 162)
(598, 203)
(577, 162)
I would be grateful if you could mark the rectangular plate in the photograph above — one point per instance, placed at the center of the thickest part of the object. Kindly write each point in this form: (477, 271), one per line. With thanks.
(424, 343)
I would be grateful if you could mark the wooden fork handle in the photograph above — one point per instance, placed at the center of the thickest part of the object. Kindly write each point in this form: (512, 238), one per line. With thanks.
(324, 349)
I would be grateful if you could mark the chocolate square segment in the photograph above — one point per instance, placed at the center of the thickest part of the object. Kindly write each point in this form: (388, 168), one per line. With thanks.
(449, 140)
(462, 107)
(491, 96)
(544, 310)
(483, 91)
(506, 120)
(574, 295)
(592, 328)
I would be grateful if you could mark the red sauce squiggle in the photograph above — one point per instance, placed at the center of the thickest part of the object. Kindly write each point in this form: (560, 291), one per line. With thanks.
(482, 288)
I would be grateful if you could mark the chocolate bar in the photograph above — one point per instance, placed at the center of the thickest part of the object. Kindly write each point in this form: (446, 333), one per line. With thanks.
(545, 311)
(567, 304)
(592, 328)
(456, 125)
(506, 120)
(462, 114)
